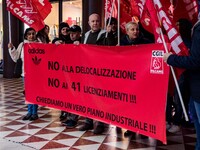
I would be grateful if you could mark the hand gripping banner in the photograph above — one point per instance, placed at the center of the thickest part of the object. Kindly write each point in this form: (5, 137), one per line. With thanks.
(121, 85)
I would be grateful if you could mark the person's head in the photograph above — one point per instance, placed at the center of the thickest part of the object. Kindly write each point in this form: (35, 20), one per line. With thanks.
(184, 27)
(63, 28)
(113, 23)
(75, 32)
(94, 22)
(132, 30)
(46, 29)
(30, 34)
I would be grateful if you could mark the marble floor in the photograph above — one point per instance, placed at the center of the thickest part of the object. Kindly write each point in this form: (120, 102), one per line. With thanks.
(47, 133)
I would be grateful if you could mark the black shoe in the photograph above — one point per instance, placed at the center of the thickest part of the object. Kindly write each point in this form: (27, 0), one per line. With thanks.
(33, 117)
(128, 133)
(70, 124)
(85, 127)
(27, 117)
(99, 129)
(118, 129)
(143, 136)
(65, 122)
(63, 115)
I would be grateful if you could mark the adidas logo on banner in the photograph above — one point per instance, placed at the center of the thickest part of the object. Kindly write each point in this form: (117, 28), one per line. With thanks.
(36, 60)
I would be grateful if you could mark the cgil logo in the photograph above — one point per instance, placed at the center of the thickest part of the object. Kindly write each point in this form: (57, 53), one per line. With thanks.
(157, 53)
(157, 66)
(36, 51)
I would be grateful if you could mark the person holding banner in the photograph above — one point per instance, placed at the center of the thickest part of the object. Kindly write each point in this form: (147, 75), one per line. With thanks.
(75, 37)
(192, 64)
(63, 38)
(113, 23)
(96, 36)
(133, 36)
(75, 34)
(29, 37)
(63, 34)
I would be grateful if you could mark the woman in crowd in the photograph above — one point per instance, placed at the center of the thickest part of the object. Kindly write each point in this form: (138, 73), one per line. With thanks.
(64, 36)
(29, 37)
(133, 36)
(43, 35)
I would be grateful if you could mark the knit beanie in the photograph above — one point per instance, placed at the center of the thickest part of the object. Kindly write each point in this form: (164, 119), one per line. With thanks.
(62, 25)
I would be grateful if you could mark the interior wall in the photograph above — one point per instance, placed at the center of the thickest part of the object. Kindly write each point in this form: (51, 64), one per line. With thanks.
(72, 14)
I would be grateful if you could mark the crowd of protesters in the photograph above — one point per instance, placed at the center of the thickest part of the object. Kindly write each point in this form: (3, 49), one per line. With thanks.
(189, 81)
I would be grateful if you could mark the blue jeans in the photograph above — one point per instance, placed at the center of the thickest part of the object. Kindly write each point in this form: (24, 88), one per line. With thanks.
(194, 108)
(32, 108)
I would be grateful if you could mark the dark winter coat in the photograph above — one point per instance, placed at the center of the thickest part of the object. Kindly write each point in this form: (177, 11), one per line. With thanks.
(191, 63)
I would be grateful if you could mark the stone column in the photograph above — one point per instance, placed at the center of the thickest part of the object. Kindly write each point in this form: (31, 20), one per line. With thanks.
(16, 36)
(60, 10)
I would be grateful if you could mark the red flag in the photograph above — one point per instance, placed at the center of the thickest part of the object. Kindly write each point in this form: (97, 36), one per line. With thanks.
(127, 13)
(185, 9)
(157, 10)
(174, 37)
(144, 15)
(31, 12)
(149, 11)
(108, 8)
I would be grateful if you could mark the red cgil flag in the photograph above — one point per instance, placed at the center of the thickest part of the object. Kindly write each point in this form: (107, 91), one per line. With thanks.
(161, 18)
(169, 13)
(31, 12)
(128, 11)
(156, 10)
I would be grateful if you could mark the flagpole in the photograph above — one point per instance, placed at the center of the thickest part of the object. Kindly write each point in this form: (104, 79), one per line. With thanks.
(172, 69)
(118, 23)
(9, 27)
(106, 7)
(175, 79)
(110, 16)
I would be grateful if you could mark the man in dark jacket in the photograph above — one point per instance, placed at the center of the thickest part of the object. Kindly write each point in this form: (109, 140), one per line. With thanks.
(96, 36)
(192, 64)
